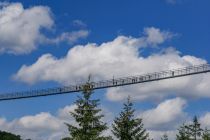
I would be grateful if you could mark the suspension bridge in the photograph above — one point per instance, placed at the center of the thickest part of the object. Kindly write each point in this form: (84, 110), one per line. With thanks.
(156, 76)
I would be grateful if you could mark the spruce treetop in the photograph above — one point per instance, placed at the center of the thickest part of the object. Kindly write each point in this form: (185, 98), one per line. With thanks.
(88, 118)
(126, 127)
(165, 137)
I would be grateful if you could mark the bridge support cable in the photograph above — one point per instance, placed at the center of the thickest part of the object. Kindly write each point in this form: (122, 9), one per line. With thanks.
(186, 71)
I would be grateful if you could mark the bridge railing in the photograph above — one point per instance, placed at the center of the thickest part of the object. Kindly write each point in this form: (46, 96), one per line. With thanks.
(190, 70)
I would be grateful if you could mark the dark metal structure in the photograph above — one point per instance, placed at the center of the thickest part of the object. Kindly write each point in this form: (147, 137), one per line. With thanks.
(186, 71)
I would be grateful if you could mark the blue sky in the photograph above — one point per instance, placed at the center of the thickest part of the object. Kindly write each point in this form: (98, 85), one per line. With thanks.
(157, 34)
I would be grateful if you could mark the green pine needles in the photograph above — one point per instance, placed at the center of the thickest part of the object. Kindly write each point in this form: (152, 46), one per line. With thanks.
(9, 136)
(183, 133)
(164, 137)
(206, 134)
(193, 131)
(88, 118)
(126, 127)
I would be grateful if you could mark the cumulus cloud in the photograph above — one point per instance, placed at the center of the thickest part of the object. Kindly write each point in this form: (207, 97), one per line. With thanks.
(205, 120)
(187, 87)
(165, 115)
(45, 126)
(155, 36)
(39, 121)
(157, 135)
(79, 23)
(28, 129)
(69, 37)
(21, 28)
(168, 116)
(42, 126)
(64, 112)
(83, 60)
(121, 57)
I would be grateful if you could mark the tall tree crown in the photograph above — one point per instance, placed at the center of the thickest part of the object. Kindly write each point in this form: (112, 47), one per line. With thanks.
(164, 137)
(182, 133)
(126, 127)
(88, 118)
(206, 134)
(194, 129)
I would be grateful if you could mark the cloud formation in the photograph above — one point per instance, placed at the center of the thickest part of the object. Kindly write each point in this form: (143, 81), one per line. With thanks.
(45, 126)
(121, 57)
(166, 115)
(42, 126)
(81, 60)
(205, 120)
(155, 37)
(157, 135)
(69, 37)
(21, 28)
(79, 23)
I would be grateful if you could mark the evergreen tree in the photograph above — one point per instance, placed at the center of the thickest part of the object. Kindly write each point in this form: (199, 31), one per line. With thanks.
(126, 127)
(165, 137)
(194, 129)
(206, 134)
(67, 138)
(183, 133)
(8, 136)
(87, 116)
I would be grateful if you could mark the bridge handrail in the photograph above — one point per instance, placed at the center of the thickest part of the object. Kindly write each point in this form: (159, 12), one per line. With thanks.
(190, 70)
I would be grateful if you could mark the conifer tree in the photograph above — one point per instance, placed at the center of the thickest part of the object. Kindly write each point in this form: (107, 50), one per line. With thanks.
(165, 137)
(183, 133)
(88, 118)
(194, 129)
(9, 136)
(206, 134)
(126, 127)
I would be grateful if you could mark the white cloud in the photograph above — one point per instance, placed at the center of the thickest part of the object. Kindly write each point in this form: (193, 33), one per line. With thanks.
(20, 28)
(165, 118)
(121, 57)
(79, 23)
(205, 120)
(165, 115)
(83, 60)
(155, 36)
(45, 126)
(39, 121)
(157, 135)
(170, 113)
(40, 126)
(69, 37)
(187, 87)
(64, 112)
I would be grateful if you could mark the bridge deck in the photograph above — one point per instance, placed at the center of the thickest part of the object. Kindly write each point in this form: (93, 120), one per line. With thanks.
(191, 70)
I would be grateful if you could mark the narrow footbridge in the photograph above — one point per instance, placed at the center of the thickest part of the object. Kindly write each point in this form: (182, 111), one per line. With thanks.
(168, 74)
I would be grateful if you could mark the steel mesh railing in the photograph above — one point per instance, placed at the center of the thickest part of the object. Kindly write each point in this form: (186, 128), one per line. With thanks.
(190, 70)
